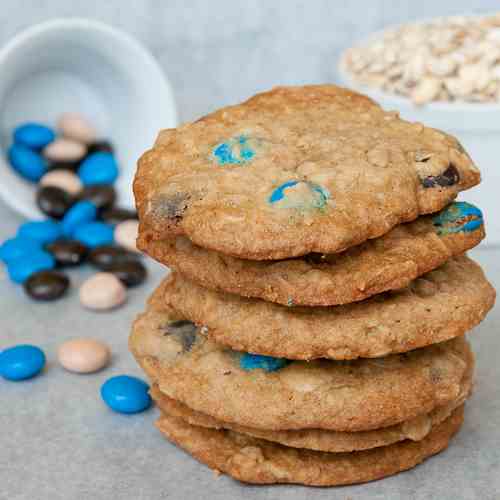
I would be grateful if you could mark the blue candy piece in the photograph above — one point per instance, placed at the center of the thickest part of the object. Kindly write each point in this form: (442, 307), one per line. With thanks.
(18, 247)
(126, 394)
(255, 361)
(27, 163)
(80, 213)
(44, 231)
(458, 217)
(34, 135)
(98, 168)
(21, 362)
(315, 196)
(236, 151)
(94, 234)
(22, 268)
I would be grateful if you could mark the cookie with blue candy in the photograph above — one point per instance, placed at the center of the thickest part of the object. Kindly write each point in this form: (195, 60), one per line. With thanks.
(440, 305)
(296, 170)
(346, 396)
(329, 441)
(386, 263)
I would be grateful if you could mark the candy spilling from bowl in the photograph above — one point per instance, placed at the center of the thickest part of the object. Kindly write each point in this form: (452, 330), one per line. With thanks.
(75, 172)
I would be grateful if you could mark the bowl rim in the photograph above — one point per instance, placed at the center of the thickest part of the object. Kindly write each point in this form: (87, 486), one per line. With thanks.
(400, 101)
(34, 31)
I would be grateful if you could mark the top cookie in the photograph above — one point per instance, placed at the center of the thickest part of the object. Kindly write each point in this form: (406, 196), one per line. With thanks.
(296, 170)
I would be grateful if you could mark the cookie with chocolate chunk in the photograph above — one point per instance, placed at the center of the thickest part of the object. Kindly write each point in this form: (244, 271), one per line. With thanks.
(415, 429)
(322, 394)
(386, 263)
(296, 170)
(438, 306)
(258, 461)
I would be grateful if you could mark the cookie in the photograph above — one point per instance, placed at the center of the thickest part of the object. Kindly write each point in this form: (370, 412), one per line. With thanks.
(393, 322)
(386, 263)
(296, 170)
(323, 440)
(322, 394)
(258, 461)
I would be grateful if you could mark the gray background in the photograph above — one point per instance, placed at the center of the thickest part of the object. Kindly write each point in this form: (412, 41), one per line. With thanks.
(57, 440)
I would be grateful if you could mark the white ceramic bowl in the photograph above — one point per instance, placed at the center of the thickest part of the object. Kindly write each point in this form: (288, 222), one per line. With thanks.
(88, 67)
(476, 126)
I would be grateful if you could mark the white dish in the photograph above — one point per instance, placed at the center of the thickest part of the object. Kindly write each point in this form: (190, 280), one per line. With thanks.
(84, 66)
(476, 126)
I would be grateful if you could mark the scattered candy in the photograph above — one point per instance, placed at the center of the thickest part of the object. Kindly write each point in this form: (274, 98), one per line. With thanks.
(26, 162)
(68, 253)
(116, 215)
(46, 285)
(21, 362)
(80, 213)
(70, 166)
(63, 179)
(22, 268)
(126, 233)
(107, 257)
(94, 234)
(129, 273)
(102, 196)
(97, 146)
(75, 171)
(65, 150)
(74, 126)
(44, 231)
(126, 394)
(102, 291)
(33, 135)
(98, 168)
(84, 355)
(53, 201)
(18, 247)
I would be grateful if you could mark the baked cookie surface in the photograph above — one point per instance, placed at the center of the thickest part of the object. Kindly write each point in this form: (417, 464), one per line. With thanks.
(258, 461)
(296, 170)
(322, 394)
(438, 306)
(386, 263)
(415, 429)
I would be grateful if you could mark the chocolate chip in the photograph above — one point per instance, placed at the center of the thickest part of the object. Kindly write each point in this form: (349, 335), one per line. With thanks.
(102, 196)
(172, 207)
(448, 178)
(68, 252)
(53, 201)
(46, 285)
(184, 331)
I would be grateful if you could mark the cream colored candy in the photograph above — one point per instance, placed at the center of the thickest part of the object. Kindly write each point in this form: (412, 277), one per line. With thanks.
(83, 355)
(75, 126)
(64, 150)
(102, 291)
(63, 179)
(126, 234)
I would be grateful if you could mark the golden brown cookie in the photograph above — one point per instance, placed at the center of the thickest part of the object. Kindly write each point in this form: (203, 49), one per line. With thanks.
(438, 306)
(296, 170)
(255, 460)
(386, 263)
(322, 394)
(323, 440)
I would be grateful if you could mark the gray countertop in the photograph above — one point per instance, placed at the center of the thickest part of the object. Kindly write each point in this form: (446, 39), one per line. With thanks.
(59, 441)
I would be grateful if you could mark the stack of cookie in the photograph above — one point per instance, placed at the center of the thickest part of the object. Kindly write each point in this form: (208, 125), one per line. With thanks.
(312, 328)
